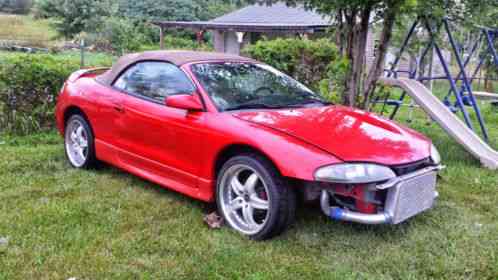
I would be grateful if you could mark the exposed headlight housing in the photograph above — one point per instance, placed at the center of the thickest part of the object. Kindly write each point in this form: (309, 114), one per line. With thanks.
(435, 156)
(354, 173)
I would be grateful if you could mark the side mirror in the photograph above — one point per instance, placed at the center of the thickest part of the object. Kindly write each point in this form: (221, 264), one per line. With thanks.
(185, 102)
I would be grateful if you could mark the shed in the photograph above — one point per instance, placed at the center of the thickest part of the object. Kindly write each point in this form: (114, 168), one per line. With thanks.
(247, 25)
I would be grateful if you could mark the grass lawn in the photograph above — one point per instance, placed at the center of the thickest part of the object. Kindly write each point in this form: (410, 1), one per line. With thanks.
(26, 31)
(62, 223)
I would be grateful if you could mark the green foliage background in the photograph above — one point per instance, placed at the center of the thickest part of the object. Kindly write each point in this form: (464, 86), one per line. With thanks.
(125, 25)
(29, 85)
(317, 63)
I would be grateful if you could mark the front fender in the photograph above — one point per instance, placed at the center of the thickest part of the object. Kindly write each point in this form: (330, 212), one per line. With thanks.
(293, 157)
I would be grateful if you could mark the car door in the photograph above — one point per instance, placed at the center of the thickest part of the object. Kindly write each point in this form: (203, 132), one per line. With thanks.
(106, 119)
(161, 141)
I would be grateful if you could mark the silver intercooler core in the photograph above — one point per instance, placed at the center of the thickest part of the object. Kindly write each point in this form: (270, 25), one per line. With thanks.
(407, 196)
(410, 197)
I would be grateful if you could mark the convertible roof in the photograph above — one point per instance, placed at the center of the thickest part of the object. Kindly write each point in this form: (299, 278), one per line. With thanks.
(176, 57)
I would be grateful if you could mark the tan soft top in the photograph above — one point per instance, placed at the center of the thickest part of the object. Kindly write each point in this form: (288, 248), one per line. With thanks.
(176, 57)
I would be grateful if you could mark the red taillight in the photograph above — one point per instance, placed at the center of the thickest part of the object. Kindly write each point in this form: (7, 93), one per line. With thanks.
(63, 88)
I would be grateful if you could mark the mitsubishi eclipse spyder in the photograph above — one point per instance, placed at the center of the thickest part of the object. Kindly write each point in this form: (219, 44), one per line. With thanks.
(228, 129)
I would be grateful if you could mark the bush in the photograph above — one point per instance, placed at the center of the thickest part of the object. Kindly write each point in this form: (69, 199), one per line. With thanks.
(43, 9)
(178, 43)
(121, 36)
(29, 85)
(316, 63)
(117, 35)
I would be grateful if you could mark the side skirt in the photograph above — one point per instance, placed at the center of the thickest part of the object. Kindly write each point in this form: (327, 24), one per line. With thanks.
(110, 154)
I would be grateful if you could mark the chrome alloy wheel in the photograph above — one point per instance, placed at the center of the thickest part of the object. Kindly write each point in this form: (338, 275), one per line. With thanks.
(76, 141)
(244, 199)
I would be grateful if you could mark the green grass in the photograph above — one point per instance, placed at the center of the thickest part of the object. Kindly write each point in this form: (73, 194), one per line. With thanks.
(489, 113)
(26, 31)
(92, 59)
(102, 224)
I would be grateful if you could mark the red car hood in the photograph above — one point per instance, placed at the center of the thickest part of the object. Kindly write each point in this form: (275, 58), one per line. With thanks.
(347, 133)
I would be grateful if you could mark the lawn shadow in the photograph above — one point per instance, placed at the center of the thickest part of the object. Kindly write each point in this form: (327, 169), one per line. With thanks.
(311, 220)
(151, 187)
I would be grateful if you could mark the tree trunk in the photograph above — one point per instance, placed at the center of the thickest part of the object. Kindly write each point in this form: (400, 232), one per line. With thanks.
(378, 64)
(487, 84)
(355, 51)
(339, 32)
(349, 43)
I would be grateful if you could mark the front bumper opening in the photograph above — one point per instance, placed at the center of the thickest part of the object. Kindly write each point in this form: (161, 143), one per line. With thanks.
(391, 202)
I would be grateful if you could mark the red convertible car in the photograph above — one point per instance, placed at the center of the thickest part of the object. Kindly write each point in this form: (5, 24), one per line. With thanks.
(229, 129)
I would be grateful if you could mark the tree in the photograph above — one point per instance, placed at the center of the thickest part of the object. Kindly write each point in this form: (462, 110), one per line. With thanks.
(484, 14)
(74, 16)
(182, 10)
(158, 9)
(352, 20)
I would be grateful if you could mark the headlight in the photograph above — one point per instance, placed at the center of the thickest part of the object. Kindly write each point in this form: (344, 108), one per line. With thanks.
(435, 156)
(354, 173)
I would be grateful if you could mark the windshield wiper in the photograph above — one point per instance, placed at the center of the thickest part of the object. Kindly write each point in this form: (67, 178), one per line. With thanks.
(309, 101)
(253, 106)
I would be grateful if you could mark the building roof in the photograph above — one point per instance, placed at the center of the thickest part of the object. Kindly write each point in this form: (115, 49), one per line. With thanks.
(276, 14)
(177, 57)
(260, 18)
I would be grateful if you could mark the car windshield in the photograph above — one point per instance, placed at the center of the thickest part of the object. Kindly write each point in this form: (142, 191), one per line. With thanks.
(234, 86)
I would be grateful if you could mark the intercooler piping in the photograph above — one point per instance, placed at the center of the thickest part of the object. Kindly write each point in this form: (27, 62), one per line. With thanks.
(385, 217)
(338, 213)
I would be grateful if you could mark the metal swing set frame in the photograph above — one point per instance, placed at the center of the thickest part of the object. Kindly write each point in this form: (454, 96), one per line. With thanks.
(464, 95)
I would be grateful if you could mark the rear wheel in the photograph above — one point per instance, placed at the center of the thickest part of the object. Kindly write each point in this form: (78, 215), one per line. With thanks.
(79, 142)
(253, 198)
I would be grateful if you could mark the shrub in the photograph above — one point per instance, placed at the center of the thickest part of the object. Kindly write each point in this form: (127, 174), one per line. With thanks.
(46, 8)
(117, 35)
(178, 43)
(29, 85)
(316, 63)
(120, 36)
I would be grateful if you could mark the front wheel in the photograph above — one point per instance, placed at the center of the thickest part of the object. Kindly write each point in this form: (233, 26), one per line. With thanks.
(253, 198)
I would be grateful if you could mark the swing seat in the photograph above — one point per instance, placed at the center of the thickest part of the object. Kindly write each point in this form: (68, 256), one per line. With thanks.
(466, 100)
(392, 102)
(448, 104)
(453, 109)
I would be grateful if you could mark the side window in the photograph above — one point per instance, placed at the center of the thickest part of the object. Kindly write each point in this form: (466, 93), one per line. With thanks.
(154, 80)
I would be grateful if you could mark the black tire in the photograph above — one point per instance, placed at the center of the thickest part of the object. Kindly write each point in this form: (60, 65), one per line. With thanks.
(281, 197)
(90, 161)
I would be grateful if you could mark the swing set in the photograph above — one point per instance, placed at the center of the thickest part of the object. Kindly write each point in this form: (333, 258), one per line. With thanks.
(465, 96)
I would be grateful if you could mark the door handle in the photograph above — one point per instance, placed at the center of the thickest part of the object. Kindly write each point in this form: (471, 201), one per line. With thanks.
(118, 108)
